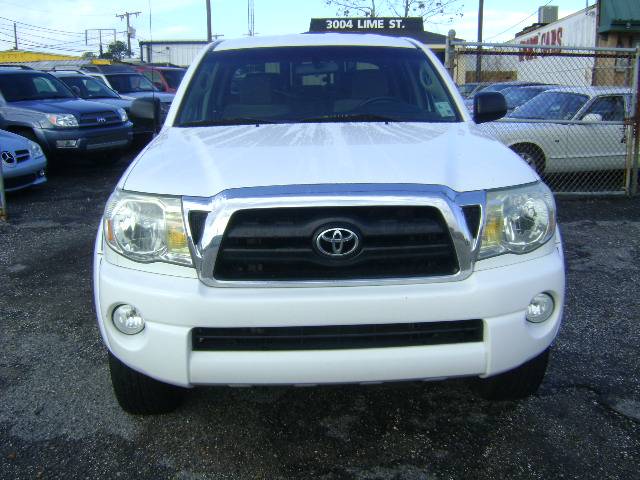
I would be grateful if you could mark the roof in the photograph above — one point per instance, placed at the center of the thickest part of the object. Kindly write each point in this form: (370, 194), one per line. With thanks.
(593, 91)
(315, 39)
(619, 16)
(23, 56)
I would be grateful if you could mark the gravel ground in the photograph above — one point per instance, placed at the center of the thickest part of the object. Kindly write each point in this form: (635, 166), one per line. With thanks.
(59, 418)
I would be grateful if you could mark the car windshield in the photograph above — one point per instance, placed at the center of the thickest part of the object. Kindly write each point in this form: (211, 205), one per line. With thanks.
(17, 87)
(88, 87)
(516, 96)
(130, 83)
(316, 84)
(173, 77)
(551, 106)
(467, 89)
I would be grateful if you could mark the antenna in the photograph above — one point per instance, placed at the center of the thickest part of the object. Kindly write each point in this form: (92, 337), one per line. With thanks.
(251, 19)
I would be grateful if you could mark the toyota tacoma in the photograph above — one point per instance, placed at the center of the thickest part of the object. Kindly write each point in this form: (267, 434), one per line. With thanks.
(321, 208)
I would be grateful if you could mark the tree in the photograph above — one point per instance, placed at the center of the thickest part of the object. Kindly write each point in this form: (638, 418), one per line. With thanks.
(115, 51)
(88, 56)
(436, 11)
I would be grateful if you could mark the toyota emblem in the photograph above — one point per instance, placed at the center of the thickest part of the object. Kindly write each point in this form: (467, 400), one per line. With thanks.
(337, 242)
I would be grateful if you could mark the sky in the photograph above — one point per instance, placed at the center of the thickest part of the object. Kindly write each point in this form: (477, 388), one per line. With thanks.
(59, 25)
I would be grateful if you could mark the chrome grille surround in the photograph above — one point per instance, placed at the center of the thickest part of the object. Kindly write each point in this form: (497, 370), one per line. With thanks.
(223, 205)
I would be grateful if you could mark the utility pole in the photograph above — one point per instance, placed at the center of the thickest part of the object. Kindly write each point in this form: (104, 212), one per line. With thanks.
(99, 30)
(251, 19)
(127, 15)
(15, 36)
(478, 54)
(208, 20)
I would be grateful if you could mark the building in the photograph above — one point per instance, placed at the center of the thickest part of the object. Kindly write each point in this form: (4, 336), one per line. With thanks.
(174, 52)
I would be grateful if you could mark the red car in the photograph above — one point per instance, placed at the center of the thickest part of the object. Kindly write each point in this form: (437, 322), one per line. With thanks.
(167, 79)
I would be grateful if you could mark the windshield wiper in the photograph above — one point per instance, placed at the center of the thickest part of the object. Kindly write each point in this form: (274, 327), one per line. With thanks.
(350, 117)
(227, 121)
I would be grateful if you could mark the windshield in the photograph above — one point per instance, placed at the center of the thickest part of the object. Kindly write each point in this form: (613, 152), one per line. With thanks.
(551, 106)
(130, 83)
(316, 84)
(173, 77)
(516, 96)
(16, 87)
(88, 87)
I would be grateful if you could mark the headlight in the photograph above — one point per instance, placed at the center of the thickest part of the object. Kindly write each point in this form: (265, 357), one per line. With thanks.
(35, 150)
(62, 120)
(518, 220)
(123, 115)
(146, 228)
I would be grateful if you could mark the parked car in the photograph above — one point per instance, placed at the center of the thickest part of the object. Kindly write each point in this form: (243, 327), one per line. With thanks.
(469, 89)
(322, 209)
(41, 108)
(516, 96)
(499, 87)
(88, 88)
(22, 161)
(130, 84)
(165, 79)
(559, 144)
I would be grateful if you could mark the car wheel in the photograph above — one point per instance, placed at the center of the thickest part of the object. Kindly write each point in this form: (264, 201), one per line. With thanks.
(138, 394)
(517, 383)
(532, 155)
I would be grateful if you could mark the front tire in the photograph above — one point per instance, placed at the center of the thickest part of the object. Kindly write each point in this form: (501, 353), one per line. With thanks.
(141, 395)
(520, 382)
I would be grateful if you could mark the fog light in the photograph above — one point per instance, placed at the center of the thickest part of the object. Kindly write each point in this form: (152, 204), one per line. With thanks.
(540, 308)
(41, 173)
(66, 143)
(128, 320)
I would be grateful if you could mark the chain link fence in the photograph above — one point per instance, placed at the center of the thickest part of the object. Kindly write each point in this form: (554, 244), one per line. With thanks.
(572, 112)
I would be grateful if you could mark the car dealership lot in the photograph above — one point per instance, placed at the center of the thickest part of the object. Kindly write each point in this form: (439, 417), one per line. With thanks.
(59, 418)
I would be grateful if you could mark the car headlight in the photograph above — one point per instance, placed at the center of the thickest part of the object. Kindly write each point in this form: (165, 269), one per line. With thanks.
(35, 150)
(123, 114)
(146, 228)
(62, 120)
(518, 220)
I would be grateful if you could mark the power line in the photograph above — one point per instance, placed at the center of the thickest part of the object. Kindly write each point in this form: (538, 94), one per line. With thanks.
(515, 25)
(49, 12)
(42, 28)
(127, 15)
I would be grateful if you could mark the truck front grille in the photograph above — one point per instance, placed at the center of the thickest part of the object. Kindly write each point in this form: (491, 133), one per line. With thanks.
(96, 119)
(337, 336)
(280, 244)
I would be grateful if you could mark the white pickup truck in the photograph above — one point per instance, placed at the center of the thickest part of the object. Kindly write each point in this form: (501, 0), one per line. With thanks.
(321, 208)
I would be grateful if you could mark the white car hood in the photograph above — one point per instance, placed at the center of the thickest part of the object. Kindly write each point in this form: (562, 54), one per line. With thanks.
(204, 161)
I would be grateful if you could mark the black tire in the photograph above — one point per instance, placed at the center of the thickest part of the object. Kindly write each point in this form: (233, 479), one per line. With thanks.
(532, 155)
(518, 383)
(141, 395)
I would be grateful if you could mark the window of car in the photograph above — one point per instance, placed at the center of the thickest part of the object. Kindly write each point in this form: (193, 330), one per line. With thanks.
(173, 77)
(516, 96)
(334, 84)
(32, 86)
(89, 87)
(551, 106)
(611, 108)
(130, 83)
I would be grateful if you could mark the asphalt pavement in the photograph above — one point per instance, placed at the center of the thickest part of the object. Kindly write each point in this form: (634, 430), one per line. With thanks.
(59, 418)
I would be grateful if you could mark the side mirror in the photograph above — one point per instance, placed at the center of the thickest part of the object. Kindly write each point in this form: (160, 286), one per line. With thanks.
(488, 106)
(592, 118)
(147, 110)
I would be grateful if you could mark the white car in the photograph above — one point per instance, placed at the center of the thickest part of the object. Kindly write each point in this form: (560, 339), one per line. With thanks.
(568, 129)
(22, 162)
(322, 209)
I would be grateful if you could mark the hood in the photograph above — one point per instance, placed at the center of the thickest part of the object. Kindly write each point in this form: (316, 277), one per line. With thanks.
(164, 97)
(11, 141)
(114, 102)
(207, 160)
(63, 105)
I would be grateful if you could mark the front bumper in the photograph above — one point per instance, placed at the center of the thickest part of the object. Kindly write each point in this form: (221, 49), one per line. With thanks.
(25, 174)
(90, 139)
(173, 305)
